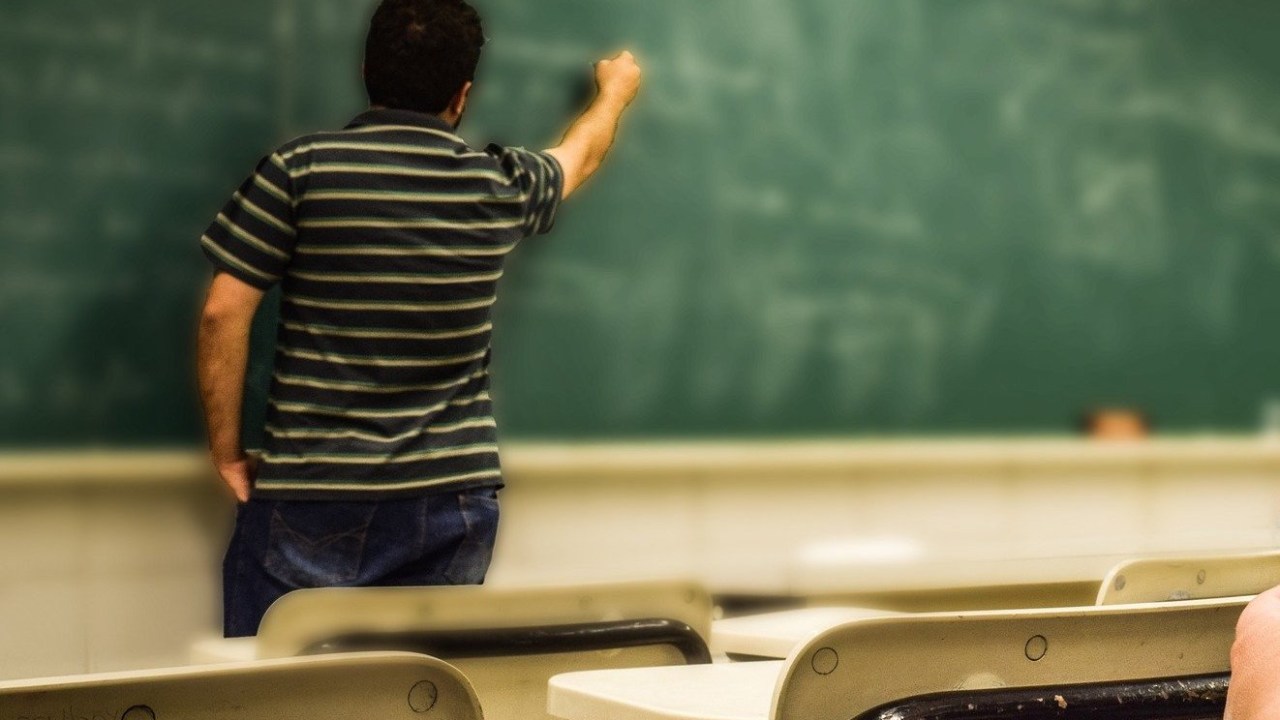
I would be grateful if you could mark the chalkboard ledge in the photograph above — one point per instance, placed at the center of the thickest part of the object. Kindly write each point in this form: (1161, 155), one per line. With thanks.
(658, 460)
(858, 456)
(106, 468)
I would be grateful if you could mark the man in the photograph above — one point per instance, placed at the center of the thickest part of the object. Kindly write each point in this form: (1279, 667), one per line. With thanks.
(388, 237)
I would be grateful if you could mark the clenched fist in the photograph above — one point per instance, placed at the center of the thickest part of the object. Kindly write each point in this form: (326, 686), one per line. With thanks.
(619, 77)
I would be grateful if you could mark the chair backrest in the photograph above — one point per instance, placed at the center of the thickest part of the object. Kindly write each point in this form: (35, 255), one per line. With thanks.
(848, 670)
(300, 619)
(386, 686)
(1202, 697)
(508, 641)
(1190, 578)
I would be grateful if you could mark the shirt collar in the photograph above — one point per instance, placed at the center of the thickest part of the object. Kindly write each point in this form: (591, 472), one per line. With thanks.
(390, 116)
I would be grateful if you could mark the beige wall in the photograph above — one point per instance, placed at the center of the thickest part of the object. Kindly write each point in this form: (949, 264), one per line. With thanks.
(111, 561)
(106, 562)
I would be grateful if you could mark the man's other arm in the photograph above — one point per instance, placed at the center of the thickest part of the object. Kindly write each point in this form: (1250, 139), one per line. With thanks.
(589, 138)
(222, 355)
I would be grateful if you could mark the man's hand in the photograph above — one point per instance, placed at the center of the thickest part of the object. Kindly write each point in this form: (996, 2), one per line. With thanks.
(588, 139)
(619, 77)
(239, 476)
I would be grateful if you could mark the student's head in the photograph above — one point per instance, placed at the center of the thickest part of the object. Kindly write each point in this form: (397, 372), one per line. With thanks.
(422, 55)
(1115, 423)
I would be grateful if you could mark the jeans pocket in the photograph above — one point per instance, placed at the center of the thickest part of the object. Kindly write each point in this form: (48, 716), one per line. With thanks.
(479, 511)
(317, 544)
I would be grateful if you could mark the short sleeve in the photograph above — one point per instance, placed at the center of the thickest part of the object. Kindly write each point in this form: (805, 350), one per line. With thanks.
(540, 180)
(253, 237)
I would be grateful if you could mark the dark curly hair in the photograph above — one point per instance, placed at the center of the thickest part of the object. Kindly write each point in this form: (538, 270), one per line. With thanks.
(419, 53)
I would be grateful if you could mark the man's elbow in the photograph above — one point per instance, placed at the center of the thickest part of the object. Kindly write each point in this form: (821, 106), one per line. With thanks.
(220, 312)
(573, 181)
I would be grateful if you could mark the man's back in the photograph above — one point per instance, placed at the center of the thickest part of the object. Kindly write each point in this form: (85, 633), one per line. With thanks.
(388, 239)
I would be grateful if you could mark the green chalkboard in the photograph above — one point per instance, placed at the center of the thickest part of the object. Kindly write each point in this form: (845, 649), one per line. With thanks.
(825, 216)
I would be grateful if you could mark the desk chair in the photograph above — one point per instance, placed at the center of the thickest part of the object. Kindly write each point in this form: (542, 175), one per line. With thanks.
(1163, 660)
(387, 686)
(1140, 580)
(1159, 579)
(508, 642)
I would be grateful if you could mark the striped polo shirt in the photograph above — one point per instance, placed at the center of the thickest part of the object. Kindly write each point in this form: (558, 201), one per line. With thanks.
(388, 239)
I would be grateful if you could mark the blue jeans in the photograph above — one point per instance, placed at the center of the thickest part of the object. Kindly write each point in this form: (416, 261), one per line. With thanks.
(280, 546)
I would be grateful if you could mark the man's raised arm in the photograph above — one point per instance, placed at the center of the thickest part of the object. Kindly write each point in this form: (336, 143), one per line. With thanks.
(589, 138)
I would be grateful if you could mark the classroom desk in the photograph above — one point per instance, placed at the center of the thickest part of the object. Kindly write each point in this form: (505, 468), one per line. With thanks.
(943, 581)
(774, 635)
(735, 691)
(214, 650)
(386, 686)
(746, 691)
(853, 667)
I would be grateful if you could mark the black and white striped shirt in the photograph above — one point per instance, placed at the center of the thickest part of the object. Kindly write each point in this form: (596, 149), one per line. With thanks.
(388, 239)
